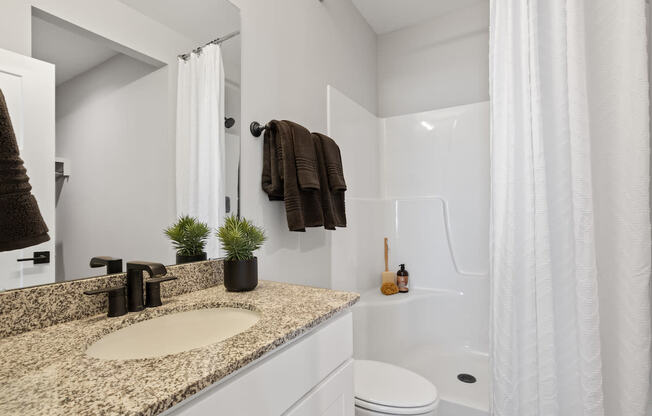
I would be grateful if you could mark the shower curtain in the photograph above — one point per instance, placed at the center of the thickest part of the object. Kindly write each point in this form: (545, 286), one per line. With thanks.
(570, 216)
(200, 177)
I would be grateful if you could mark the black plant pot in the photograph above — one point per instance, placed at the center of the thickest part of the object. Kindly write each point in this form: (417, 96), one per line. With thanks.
(241, 275)
(191, 259)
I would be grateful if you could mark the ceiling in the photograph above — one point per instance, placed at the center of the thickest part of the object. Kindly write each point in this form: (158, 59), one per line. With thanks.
(389, 15)
(72, 53)
(201, 21)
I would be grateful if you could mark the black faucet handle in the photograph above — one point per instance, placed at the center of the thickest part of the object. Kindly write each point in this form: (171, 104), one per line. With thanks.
(160, 279)
(153, 290)
(154, 269)
(117, 299)
(113, 265)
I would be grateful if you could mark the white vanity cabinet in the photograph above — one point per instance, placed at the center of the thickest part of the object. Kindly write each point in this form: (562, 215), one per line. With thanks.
(310, 376)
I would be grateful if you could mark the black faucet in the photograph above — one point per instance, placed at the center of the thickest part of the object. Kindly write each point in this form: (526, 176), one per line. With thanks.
(113, 265)
(117, 303)
(153, 290)
(135, 281)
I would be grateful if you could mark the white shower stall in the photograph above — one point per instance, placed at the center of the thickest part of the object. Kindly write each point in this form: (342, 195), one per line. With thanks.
(422, 180)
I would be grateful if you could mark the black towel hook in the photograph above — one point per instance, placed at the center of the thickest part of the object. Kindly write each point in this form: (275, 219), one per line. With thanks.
(256, 128)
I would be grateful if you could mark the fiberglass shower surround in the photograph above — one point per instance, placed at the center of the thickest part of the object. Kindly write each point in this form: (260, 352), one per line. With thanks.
(437, 223)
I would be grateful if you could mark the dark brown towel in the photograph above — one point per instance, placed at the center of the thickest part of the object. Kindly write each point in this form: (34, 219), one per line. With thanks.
(305, 157)
(21, 223)
(290, 173)
(325, 191)
(334, 172)
(333, 159)
(272, 178)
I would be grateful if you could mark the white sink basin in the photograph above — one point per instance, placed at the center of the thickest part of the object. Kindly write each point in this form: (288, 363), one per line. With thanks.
(172, 334)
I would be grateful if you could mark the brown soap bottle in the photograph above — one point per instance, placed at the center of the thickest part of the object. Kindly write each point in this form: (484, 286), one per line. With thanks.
(402, 279)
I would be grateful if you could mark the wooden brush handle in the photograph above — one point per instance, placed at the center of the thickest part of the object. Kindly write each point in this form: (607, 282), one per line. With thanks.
(386, 256)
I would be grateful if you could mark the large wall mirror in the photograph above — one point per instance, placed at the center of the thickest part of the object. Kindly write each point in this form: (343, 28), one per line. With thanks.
(112, 186)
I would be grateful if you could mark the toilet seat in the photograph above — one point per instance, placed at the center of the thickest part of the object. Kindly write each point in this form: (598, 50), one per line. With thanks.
(389, 410)
(386, 388)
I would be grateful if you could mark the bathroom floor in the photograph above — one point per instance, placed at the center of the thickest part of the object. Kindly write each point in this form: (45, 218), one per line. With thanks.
(442, 369)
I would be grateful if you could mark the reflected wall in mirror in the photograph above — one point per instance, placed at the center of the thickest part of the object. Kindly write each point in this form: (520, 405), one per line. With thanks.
(116, 140)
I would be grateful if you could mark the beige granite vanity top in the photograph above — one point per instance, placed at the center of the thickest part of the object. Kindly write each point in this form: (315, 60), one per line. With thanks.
(46, 372)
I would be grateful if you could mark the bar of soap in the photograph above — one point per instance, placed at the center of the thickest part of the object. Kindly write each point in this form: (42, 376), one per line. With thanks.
(389, 288)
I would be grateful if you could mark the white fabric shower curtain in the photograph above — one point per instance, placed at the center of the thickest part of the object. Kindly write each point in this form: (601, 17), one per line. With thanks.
(570, 217)
(200, 177)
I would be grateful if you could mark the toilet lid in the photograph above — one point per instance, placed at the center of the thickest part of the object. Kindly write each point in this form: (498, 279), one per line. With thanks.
(386, 387)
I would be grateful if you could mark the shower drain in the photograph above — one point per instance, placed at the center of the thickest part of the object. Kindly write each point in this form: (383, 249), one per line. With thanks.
(466, 378)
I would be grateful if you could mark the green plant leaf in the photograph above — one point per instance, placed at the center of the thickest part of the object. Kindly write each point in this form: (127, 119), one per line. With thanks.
(188, 235)
(240, 238)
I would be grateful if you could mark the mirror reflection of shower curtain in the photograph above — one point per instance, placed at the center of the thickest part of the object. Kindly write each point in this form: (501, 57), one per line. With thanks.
(200, 177)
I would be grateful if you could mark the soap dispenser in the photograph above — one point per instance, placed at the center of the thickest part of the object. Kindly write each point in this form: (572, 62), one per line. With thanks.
(402, 279)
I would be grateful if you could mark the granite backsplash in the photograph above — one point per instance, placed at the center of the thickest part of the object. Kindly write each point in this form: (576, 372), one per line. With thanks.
(23, 310)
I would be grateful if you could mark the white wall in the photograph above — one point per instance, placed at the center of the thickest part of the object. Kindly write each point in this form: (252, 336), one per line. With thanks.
(357, 250)
(291, 51)
(440, 63)
(121, 192)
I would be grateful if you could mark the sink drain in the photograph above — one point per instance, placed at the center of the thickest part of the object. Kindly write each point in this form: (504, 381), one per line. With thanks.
(466, 378)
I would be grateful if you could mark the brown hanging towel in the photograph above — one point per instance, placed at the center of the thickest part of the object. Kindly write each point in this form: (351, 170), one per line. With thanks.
(290, 173)
(326, 196)
(335, 178)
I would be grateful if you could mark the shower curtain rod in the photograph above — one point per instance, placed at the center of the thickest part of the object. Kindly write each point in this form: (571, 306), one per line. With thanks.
(217, 41)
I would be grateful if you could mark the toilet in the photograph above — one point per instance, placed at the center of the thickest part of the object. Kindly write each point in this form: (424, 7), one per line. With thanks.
(383, 389)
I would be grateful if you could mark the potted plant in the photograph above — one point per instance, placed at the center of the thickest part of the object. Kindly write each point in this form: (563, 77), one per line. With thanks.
(188, 237)
(240, 238)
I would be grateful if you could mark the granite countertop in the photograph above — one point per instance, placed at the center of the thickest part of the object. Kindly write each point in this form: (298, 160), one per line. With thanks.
(46, 371)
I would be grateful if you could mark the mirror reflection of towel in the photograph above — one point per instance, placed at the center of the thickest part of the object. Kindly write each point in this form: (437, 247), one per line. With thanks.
(21, 223)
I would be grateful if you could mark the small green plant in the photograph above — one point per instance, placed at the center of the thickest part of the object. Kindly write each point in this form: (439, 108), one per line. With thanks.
(188, 235)
(240, 238)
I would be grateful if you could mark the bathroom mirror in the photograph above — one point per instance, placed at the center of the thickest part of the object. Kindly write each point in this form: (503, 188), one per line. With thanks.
(114, 174)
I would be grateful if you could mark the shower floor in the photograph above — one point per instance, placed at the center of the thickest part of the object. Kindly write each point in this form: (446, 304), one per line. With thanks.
(442, 368)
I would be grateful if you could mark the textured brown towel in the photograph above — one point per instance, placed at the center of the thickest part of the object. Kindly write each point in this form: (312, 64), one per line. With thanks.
(272, 178)
(325, 191)
(21, 223)
(305, 157)
(332, 160)
(290, 173)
